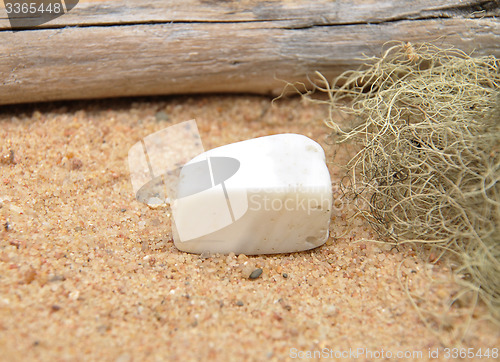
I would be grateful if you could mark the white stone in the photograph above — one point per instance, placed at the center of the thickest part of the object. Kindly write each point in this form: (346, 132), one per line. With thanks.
(266, 195)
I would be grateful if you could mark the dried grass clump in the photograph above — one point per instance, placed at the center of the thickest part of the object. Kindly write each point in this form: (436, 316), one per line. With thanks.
(428, 120)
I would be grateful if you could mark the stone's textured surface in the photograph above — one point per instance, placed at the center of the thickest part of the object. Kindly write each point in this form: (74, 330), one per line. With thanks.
(278, 201)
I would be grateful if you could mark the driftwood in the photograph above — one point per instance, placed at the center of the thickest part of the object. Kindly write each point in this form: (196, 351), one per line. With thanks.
(105, 48)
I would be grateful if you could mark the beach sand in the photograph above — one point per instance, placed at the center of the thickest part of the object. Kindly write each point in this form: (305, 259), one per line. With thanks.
(89, 273)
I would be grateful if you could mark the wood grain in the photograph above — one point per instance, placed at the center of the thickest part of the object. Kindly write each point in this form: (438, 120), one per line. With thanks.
(128, 48)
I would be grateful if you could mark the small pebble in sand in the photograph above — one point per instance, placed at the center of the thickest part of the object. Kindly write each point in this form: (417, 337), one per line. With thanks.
(76, 164)
(9, 158)
(161, 116)
(29, 275)
(74, 295)
(239, 303)
(57, 278)
(285, 275)
(255, 274)
(330, 310)
(284, 304)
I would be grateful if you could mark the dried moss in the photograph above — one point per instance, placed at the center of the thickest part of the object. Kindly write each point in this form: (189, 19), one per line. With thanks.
(428, 120)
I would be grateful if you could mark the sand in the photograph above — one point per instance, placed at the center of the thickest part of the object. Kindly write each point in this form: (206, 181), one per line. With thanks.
(89, 273)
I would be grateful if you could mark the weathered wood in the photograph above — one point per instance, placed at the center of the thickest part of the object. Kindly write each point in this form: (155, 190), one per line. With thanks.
(124, 48)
